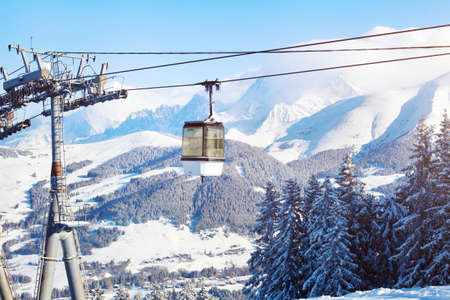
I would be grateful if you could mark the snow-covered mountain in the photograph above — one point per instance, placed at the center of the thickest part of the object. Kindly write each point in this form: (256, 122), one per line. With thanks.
(349, 122)
(293, 116)
(291, 119)
(308, 119)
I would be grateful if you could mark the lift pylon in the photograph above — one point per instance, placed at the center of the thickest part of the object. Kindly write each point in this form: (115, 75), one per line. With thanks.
(60, 86)
(59, 233)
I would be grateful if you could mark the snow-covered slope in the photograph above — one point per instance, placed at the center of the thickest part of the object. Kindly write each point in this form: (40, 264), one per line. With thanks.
(375, 120)
(349, 122)
(168, 242)
(34, 165)
(430, 102)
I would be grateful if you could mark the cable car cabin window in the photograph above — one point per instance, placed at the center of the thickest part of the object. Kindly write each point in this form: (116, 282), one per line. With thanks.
(214, 142)
(192, 141)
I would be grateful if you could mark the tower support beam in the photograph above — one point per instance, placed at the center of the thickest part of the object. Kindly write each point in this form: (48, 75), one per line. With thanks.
(72, 263)
(5, 288)
(59, 231)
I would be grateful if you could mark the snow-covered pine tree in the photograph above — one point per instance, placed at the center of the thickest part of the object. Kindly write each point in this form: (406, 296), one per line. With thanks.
(359, 216)
(187, 293)
(259, 261)
(437, 270)
(204, 295)
(311, 192)
(417, 197)
(121, 293)
(286, 277)
(96, 294)
(386, 240)
(335, 269)
(158, 293)
(369, 252)
(313, 213)
(172, 295)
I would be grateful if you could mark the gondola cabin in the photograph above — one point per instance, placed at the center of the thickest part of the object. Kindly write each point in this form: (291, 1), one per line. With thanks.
(203, 148)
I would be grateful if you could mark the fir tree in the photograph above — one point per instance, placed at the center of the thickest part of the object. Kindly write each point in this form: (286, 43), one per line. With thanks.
(97, 294)
(187, 293)
(286, 275)
(437, 270)
(417, 196)
(367, 252)
(311, 193)
(359, 217)
(265, 229)
(386, 240)
(121, 294)
(335, 269)
(204, 295)
(172, 294)
(158, 293)
(314, 214)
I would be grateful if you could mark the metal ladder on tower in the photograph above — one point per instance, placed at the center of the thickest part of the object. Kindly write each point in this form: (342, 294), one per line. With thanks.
(70, 216)
(9, 277)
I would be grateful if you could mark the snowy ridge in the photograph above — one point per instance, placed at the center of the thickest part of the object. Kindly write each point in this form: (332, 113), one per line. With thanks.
(259, 103)
(430, 102)
(354, 121)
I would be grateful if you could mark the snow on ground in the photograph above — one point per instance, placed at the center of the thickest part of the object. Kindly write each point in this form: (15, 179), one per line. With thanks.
(240, 170)
(155, 243)
(288, 151)
(24, 265)
(426, 293)
(160, 243)
(259, 189)
(374, 181)
(17, 176)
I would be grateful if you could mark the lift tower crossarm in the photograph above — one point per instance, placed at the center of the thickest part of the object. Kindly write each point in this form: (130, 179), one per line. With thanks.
(50, 53)
(4, 73)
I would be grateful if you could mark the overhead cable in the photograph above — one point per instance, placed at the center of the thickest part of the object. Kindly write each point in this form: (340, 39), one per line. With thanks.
(295, 72)
(35, 116)
(269, 50)
(424, 47)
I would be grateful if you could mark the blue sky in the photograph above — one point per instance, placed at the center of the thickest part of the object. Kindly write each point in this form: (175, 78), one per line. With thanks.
(197, 25)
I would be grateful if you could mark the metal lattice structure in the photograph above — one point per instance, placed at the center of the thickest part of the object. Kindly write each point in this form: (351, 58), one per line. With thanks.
(59, 85)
